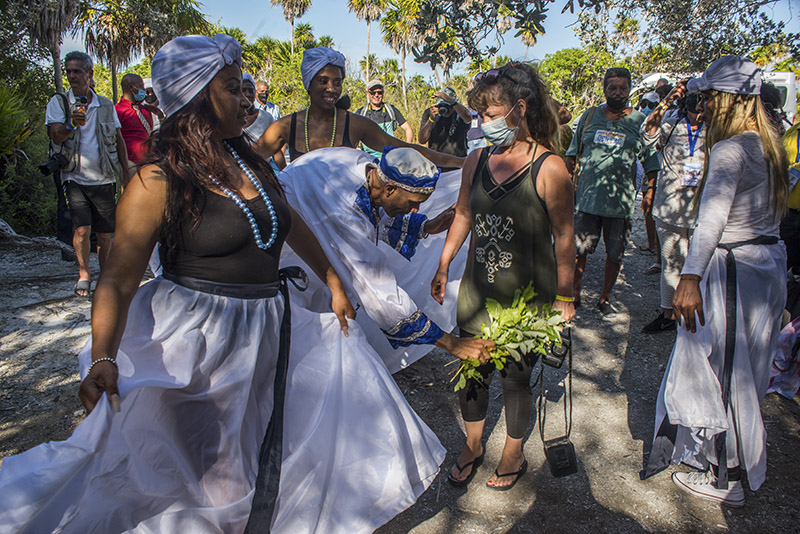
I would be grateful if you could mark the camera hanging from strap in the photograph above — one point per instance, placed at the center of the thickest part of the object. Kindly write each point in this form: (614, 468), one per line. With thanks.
(560, 451)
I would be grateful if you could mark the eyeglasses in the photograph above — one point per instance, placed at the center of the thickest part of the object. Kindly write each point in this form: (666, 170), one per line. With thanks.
(378, 92)
(489, 73)
(648, 104)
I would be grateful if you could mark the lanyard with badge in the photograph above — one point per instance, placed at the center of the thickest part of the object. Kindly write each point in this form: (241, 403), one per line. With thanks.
(692, 170)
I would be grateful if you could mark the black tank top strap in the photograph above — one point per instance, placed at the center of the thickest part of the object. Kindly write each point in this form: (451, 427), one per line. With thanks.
(346, 135)
(484, 157)
(293, 152)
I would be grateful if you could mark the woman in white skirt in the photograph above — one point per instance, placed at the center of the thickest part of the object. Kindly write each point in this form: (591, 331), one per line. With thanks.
(730, 296)
(184, 377)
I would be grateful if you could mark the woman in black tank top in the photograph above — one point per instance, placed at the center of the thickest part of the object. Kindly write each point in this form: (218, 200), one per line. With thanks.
(516, 201)
(323, 125)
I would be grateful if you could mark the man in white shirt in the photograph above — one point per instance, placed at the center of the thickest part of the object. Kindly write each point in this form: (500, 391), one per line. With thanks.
(262, 94)
(85, 129)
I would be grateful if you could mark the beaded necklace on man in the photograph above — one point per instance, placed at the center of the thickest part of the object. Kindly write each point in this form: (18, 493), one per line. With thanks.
(333, 135)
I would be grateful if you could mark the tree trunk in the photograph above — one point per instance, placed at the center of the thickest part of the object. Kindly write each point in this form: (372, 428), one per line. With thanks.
(438, 79)
(56, 51)
(113, 65)
(291, 41)
(403, 80)
(525, 57)
(369, 25)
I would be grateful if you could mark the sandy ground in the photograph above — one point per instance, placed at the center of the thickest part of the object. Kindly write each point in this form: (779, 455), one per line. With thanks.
(617, 371)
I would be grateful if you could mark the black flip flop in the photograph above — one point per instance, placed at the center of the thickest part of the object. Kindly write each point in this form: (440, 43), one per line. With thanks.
(476, 463)
(518, 474)
(83, 285)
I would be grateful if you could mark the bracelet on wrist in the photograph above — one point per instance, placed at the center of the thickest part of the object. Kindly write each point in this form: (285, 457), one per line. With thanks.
(431, 118)
(565, 299)
(70, 125)
(98, 360)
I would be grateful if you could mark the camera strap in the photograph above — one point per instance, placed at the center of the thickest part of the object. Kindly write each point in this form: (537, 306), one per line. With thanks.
(542, 401)
(64, 103)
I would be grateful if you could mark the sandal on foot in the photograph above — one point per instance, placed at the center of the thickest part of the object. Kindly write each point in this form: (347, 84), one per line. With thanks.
(476, 463)
(83, 285)
(518, 474)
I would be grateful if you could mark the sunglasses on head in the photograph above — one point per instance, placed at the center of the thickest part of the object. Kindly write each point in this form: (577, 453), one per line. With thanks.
(376, 92)
(510, 71)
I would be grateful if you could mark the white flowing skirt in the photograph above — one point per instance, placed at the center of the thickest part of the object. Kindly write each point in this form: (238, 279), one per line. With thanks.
(690, 393)
(196, 380)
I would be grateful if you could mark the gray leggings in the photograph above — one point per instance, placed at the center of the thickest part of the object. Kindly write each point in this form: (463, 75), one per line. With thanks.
(516, 377)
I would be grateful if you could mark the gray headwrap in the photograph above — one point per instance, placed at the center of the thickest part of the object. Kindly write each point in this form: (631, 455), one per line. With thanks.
(183, 66)
(315, 59)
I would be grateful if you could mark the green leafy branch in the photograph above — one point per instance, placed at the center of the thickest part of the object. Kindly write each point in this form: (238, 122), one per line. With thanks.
(517, 330)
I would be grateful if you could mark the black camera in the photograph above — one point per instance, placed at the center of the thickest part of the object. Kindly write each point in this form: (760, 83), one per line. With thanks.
(55, 163)
(443, 108)
(150, 96)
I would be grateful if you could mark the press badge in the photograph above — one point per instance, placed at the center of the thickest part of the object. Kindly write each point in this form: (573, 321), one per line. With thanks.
(609, 138)
(692, 171)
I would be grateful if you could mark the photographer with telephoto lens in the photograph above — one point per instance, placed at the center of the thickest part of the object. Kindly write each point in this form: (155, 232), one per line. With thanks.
(445, 124)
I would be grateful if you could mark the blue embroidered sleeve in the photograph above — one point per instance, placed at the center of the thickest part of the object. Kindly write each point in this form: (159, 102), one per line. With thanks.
(404, 232)
(414, 330)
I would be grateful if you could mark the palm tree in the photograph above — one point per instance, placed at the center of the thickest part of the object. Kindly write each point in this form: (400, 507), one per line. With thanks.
(304, 36)
(528, 39)
(47, 24)
(115, 31)
(292, 9)
(399, 30)
(326, 41)
(368, 10)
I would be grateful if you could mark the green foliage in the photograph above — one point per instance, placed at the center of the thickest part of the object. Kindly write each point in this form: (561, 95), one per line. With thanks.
(27, 198)
(15, 125)
(516, 331)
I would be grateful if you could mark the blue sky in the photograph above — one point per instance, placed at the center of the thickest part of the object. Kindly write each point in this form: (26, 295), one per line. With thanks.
(331, 17)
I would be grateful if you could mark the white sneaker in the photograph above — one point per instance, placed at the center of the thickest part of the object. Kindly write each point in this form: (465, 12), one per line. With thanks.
(704, 485)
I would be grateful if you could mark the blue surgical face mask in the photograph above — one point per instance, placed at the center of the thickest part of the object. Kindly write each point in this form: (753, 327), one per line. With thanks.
(498, 132)
(139, 95)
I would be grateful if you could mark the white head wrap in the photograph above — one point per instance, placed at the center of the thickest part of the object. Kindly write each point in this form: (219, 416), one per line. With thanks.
(315, 59)
(247, 77)
(183, 66)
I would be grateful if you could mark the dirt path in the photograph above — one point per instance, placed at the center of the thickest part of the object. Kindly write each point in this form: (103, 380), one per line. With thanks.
(617, 373)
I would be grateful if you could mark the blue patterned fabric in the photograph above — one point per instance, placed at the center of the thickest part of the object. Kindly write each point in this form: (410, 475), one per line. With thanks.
(414, 330)
(409, 181)
(404, 233)
(364, 204)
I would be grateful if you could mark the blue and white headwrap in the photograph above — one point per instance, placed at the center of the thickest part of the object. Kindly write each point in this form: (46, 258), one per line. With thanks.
(185, 65)
(408, 169)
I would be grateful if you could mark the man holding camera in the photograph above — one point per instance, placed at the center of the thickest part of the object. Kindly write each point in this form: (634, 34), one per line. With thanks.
(445, 124)
(87, 147)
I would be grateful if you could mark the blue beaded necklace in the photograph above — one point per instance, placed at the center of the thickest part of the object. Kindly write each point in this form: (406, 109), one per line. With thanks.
(242, 206)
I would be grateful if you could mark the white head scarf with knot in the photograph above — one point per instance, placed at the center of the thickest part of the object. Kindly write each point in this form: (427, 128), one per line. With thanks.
(183, 66)
(247, 77)
(315, 59)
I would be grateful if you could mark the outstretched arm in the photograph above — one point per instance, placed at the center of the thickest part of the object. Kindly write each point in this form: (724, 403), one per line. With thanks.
(371, 135)
(140, 215)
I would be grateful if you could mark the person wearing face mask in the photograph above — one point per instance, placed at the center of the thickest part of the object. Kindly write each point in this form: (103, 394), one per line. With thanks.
(648, 103)
(516, 203)
(135, 119)
(681, 141)
(606, 146)
(257, 120)
(263, 103)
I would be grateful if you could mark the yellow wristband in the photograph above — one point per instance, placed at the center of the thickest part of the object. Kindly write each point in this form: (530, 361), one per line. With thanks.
(431, 118)
(565, 299)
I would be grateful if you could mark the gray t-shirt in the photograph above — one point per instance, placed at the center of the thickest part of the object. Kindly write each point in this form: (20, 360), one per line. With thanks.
(682, 156)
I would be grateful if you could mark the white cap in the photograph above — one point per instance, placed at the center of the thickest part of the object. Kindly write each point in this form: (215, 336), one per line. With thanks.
(729, 74)
(652, 96)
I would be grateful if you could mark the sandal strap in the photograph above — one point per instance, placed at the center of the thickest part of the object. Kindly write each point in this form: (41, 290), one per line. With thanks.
(521, 467)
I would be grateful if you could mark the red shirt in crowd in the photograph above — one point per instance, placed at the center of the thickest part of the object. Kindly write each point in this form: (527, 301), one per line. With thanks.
(133, 130)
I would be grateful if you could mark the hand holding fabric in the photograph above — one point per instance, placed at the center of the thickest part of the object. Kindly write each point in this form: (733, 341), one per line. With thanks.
(101, 379)
(687, 301)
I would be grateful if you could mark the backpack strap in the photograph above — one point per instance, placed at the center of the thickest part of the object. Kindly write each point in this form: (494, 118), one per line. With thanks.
(390, 111)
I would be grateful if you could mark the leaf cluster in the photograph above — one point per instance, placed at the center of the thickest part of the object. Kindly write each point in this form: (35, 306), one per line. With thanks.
(516, 331)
